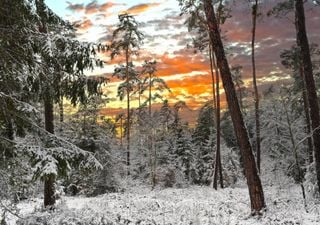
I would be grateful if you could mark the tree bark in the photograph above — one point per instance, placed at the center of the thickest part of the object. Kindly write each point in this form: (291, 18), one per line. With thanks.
(294, 146)
(213, 81)
(9, 129)
(152, 148)
(121, 133)
(307, 114)
(49, 180)
(61, 110)
(250, 169)
(218, 165)
(240, 98)
(128, 112)
(303, 44)
(255, 86)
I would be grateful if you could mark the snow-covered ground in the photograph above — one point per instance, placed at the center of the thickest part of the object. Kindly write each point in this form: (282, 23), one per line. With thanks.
(194, 205)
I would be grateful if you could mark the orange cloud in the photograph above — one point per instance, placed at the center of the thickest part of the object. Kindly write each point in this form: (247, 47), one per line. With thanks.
(181, 64)
(137, 9)
(84, 25)
(92, 7)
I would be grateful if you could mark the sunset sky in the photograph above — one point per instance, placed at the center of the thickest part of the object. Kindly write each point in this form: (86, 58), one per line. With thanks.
(166, 38)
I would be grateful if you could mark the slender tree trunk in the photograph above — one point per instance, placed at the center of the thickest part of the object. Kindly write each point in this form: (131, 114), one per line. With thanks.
(9, 133)
(61, 113)
(61, 110)
(213, 82)
(139, 96)
(154, 161)
(214, 164)
(128, 111)
(250, 168)
(218, 166)
(294, 146)
(9, 129)
(150, 94)
(49, 180)
(240, 96)
(121, 132)
(255, 86)
(151, 138)
(307, 114)
(303, 44)
(84, 122)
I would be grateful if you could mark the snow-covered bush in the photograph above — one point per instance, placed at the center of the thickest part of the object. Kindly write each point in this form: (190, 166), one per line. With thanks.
(311, 184)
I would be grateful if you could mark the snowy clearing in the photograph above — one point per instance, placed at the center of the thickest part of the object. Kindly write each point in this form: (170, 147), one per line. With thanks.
(194, 205)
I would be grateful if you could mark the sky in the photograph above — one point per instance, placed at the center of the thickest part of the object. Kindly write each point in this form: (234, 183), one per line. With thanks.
(185, 70)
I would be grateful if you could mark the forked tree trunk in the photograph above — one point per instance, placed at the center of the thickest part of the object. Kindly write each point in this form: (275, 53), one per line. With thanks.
(250, 168)
(213, 82)
(303, 44)
(49, 180)
(218, 165)
(255, 86)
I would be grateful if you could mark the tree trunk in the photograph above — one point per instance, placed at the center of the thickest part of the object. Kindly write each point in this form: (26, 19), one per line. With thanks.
(121, 133)
(49, 180)
(240, 98)
(294, 146)
(128, 112)
(61, 110)
(307, 114)
(139, 98)
(213, 82)
(154, 161)
(303, 44)
(151, 139)
(48, 114)
(251, 173)
(218, 166)
(9, 129)
(255, 86)
(150, 94)
(49, 191)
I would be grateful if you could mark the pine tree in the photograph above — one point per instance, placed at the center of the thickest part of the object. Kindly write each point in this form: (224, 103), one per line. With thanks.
(253, 180)
(303, 44)
(126, 40)
(203, 138)
(255, 8)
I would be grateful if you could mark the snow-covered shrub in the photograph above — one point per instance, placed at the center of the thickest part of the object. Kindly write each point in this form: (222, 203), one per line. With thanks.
(95, 182)
(231, 166)
(311, 183)
(166, 177)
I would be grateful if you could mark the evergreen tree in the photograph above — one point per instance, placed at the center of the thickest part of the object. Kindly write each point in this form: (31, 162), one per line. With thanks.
(126, 40)
(203, 139)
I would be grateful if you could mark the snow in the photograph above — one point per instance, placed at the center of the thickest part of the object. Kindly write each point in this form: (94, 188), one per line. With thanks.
(194, 205)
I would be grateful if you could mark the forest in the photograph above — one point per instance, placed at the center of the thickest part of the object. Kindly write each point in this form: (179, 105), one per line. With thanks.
(248, 154)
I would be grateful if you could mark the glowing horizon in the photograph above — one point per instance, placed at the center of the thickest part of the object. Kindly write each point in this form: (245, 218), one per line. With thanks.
(186, 71)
